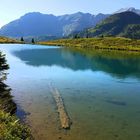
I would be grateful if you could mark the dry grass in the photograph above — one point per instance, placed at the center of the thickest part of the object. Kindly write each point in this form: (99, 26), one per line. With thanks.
(106, 43)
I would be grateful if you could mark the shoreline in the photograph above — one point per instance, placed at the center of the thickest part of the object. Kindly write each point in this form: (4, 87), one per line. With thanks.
(106, 43)
(11, 126)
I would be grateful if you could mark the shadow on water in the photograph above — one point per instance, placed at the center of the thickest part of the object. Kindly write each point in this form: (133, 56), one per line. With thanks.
(7, 103)
(116, 102)
(21, 113)
(121, 67)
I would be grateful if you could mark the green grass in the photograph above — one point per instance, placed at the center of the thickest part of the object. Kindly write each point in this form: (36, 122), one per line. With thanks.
(105, 43)
(12, 129)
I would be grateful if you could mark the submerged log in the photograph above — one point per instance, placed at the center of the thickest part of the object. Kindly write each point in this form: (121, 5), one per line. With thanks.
(64, 118)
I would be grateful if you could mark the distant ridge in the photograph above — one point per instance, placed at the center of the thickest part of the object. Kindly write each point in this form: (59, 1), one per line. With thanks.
(38, 24)
(126, 24)
(130, 9)
(48, 26)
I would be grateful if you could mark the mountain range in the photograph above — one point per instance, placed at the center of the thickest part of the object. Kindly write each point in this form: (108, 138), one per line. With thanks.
(121, 23)
(38, 24)
(125, 24)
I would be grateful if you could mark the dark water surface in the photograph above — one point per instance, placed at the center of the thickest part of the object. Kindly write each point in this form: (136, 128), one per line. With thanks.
(101, 92)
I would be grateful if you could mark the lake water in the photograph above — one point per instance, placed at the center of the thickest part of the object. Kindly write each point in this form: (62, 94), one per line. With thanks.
(101, 93)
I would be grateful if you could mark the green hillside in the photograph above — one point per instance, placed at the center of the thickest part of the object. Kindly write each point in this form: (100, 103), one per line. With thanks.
(132, 31)
(126, 24)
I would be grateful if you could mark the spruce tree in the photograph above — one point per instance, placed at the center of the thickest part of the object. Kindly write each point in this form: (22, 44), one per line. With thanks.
(3, 64)
(33, 41)
(22, 39)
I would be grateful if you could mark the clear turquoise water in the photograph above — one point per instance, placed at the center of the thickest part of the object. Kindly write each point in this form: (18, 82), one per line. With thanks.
(101, 94)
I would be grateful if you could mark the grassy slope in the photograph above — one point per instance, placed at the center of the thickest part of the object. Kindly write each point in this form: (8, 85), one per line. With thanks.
(116, 25)
(8, 40)
(106, 43)
(132, 31)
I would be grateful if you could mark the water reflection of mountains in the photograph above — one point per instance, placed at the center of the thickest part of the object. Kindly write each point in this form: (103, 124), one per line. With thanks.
(75, 61)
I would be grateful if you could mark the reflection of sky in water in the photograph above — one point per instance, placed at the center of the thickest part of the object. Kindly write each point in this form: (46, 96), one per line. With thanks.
(47, 57)
(64, 67)
(64, 58)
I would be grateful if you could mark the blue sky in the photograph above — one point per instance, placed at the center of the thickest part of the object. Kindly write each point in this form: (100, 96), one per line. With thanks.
(13, 9)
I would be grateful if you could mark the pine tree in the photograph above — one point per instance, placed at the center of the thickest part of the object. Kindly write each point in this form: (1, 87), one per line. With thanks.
(76, 36)
(87, 34)
(22, 39)
(33, 41)
(6, 102)
(3, 66)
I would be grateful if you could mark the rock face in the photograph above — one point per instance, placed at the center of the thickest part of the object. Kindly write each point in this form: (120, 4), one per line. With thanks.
(38, 24)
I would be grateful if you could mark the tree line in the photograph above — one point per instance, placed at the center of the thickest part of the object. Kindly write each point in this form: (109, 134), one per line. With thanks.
(32, 40)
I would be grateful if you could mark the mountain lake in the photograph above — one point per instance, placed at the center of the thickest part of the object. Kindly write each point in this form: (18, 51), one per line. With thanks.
(101, 93)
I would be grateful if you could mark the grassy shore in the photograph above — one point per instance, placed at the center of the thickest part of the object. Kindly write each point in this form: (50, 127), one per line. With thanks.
(105, 43)
(4, 40)
(12, 129)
